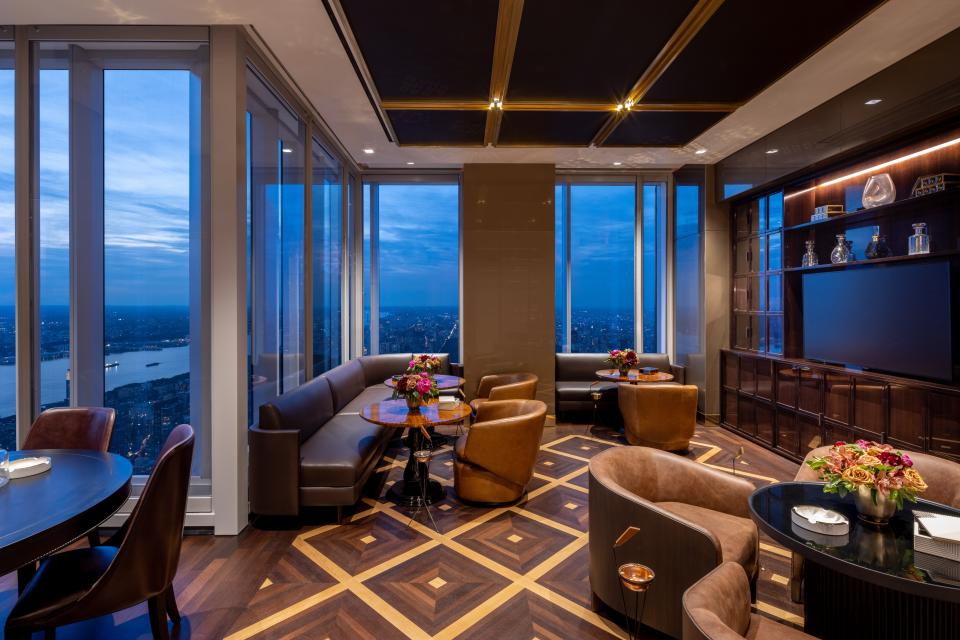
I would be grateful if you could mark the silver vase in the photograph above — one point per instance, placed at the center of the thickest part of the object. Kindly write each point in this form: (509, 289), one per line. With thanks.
(878, 512)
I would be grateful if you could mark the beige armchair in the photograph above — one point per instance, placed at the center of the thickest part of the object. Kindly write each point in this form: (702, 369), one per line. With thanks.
(717, 607)
(943, 482)
(691, 519)
(662, 416)
(505, 386)
(495, 459)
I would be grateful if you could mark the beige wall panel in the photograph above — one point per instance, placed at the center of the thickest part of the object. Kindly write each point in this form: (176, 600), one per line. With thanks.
(508, 267)
(716, 290)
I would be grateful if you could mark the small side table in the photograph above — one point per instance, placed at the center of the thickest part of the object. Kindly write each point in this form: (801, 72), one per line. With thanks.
(634, 376)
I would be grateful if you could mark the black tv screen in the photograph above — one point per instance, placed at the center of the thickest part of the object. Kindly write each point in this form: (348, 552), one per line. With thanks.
(894, 318)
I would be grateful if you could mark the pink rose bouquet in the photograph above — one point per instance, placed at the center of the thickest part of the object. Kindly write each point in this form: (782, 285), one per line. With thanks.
(887, 472)
(416, 388)
(423, 363)
(623, 359)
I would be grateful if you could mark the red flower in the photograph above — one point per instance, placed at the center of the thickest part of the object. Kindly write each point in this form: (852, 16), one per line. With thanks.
(890, 458)
(840, 443)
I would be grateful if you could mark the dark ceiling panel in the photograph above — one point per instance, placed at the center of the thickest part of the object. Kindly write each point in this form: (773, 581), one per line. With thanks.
(550, 128)
(661, 128)
(438, 127)
(426, 48)
(749, 44)
(589, 51)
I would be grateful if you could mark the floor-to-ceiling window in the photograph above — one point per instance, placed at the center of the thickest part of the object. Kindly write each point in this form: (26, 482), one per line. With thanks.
(688, 274)
(120, 148)
(275, 212)
(411, 267)
(327, 242)
(8, 408)
(599, 226)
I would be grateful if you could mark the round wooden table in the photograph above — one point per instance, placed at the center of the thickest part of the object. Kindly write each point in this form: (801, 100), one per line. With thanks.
(634, 376)
(869, 583)
(443, 382)
(48, 511)
(396, 414)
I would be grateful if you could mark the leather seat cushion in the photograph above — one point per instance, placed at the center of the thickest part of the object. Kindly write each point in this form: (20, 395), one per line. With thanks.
(306, 409)
(581, 389)
(580, 366)
(762, 628)
(739, 538)
(64, 577)
(370, 395)
(346, 383)
(339, 452)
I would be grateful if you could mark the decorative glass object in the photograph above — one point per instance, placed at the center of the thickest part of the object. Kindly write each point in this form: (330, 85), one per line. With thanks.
(879, 190)
(878, 247)
(843, 252)
(810, 258)
(919, 242)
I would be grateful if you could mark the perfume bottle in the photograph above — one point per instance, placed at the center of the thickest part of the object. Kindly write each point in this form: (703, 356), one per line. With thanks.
(842, 252)
(878, 247)
(919, 242)
(810, 257)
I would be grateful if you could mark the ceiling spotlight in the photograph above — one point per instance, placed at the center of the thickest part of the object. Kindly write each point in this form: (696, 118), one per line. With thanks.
(620, 107)
(873, 101)
(772, 151)
(617, 164)
(287, 150)
(409, 163)
(700, 152)
(496, 103)
(368, 151)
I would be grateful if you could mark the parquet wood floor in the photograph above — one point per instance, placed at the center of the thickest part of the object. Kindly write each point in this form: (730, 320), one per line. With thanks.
(517, 572)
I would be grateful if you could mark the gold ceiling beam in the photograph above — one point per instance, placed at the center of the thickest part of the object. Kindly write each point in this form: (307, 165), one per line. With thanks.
(509, 13)
(554, 105)
(687, 30)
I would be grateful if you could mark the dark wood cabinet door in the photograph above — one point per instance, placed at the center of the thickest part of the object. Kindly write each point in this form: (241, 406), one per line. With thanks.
(787, 381)
(730, 370)
(869, 406)
(764, 377)
(906, 416)
(748, 375)
(730, 407)
(745, 413)
(811, 435)
(944, 411)
(836, 432)
(811, 387)
(836, 397)
(763, 417)
(788, 436)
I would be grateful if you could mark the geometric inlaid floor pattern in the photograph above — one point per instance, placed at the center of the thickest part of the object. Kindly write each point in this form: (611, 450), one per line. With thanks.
(515, 572)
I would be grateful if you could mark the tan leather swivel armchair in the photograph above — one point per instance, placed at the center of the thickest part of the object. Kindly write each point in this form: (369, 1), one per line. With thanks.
(691, 518)
(495, 459)
(943, 482)
(662, 416)
(718, 608)
(505, 386)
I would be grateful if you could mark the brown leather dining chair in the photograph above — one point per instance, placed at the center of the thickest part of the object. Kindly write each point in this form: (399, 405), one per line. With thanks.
(138, 563)
(494, 462)
(87, 428)
(505, 386)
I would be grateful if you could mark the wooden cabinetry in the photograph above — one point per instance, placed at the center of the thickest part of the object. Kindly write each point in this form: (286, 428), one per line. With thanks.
(793, 406)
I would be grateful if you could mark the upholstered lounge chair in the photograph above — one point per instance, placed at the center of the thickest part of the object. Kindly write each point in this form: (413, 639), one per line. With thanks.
(662, 416)
(505, 386)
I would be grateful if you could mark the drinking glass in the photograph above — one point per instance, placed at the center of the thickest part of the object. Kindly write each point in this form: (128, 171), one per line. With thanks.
(3, 467)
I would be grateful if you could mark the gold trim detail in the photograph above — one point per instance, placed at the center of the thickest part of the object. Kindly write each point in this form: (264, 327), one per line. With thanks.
(504, 47)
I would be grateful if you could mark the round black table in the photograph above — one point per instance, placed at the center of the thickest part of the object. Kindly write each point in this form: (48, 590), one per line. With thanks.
(868, 583)
(43, 513)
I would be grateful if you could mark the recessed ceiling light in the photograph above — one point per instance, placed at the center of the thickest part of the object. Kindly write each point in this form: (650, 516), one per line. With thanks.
(368, 151)
(287, 150)
(700, 152)
(617, 164)
(410, 163)
(772, 151)
(873, 101)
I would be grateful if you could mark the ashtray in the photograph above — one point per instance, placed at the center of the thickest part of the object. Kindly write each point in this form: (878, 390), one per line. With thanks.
(820, 520)
(23, 467)
(448, 403)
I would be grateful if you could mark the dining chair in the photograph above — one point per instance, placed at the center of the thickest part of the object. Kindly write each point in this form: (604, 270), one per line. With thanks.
(138, 563)
(86, 428)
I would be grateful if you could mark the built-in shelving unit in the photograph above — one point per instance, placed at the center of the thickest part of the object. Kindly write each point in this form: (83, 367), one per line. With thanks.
(938, 199)
(867, 262)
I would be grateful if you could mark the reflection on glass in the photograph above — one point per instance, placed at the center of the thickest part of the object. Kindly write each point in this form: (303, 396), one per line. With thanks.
(560, 267)
(416, 243)
(54, 190)
(687, 285)
(602, 231)
(8, 406)
(275, 152)
(654, 216)
(327, 229)
(147, 254)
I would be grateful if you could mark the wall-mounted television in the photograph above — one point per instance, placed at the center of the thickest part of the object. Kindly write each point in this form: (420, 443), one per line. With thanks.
(894, 318)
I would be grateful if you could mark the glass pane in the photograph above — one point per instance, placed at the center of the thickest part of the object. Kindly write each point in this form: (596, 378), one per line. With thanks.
(368, 192)
(742, 256)
(688, 279)
(775, 211)
(54, 142)
(327, 235)
(775, 293)
(560, 267)
(774, 252)
(275, 175)
(8, 407)
(775, 334)
(147, 257)
(654, 257)
(418, 239)
(602, 230)
(352, 212)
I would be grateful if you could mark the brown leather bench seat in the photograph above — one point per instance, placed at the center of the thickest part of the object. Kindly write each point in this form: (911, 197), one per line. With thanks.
(310, 447)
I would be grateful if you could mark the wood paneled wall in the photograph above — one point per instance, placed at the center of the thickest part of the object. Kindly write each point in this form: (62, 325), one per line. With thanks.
(508, 272)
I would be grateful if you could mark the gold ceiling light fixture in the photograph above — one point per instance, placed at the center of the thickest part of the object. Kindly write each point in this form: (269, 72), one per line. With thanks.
(496, 103)
(509, 14)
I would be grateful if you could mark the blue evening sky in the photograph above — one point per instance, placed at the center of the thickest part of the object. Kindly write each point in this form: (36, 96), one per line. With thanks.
(602, 236)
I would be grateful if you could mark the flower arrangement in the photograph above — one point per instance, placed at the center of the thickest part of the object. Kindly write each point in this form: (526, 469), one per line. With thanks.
(423, 363)
(869, 468)
(623, 359)
(416, 388)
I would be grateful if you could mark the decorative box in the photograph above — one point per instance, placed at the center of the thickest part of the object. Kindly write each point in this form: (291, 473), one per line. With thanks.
(934, 183)
(925, 542)
(940, 569)
(825, 211)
